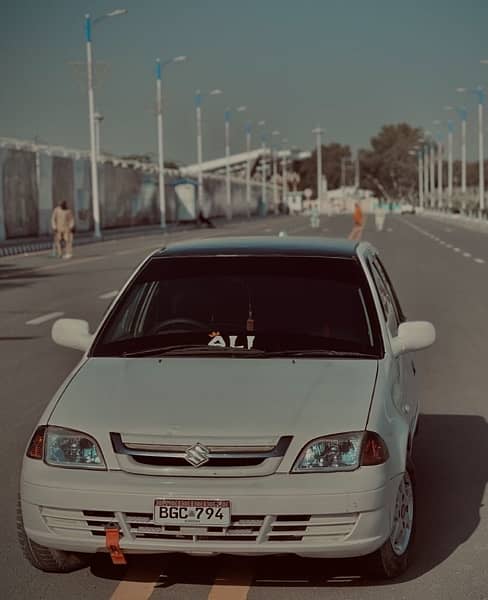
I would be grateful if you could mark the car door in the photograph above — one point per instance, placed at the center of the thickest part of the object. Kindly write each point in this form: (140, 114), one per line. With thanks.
(409, 370)
(403, 366)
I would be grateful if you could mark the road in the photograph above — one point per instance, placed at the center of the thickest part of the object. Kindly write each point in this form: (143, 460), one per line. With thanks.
(441, 274)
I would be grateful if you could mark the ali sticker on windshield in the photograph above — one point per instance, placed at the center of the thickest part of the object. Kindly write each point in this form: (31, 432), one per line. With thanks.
(219, 340)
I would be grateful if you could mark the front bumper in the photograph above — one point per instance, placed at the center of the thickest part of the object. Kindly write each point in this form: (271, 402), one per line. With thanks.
(68, 509)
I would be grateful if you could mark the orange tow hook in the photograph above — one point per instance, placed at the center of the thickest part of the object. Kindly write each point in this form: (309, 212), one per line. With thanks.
(112, 542)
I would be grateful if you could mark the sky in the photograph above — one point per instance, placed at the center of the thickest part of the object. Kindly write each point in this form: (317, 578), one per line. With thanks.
(349, 66)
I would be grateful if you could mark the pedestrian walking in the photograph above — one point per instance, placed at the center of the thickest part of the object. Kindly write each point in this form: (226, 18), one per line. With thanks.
(379, 215)
(63, 225)
(358, 223)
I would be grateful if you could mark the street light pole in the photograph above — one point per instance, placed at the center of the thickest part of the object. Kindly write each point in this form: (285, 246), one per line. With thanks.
(248, 167)
(284, 175)
(432, 172)
(439, 171)
(464, 115)
(318, 133)
(420, 167)
(480, 93)
(159, 110)
(198, 106)
(228, 190)
(91, 114)
(275, 171)
(449, 162)
(481, 98)
(162, 191)
(426, 172)
(263, 165)
(227, 165)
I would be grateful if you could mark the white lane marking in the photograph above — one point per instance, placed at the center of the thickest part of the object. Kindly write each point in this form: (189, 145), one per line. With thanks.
(480, 261)
(456, 249)
(448, 230)
(448, 245)
(389, 229)
(109, 295)
(44, 318)
(467, 254)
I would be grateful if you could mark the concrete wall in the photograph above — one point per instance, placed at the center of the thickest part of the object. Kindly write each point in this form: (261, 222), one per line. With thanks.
(33, 179)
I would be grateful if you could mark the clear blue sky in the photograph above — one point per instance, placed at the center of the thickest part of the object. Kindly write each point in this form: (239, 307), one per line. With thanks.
(350, 65)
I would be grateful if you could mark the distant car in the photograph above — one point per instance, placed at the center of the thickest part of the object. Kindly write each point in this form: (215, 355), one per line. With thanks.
(247, 396)
(407, 209)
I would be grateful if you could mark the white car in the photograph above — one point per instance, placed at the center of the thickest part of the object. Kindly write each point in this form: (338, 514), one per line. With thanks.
(407, 209)
(247, 396)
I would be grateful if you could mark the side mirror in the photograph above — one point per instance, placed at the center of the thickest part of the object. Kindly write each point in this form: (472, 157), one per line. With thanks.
(72, 333)
(413, 335)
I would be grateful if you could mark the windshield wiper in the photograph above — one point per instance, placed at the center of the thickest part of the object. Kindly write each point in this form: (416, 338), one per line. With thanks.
(193, 349)
(313, 352)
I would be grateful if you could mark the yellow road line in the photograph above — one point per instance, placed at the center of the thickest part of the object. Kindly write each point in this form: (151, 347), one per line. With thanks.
(232, 583)
(139, 582)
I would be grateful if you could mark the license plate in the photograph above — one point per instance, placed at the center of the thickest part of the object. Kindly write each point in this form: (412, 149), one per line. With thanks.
(200, 513)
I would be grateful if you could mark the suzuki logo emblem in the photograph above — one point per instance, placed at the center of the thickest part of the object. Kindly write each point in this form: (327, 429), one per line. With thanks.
(197, 455)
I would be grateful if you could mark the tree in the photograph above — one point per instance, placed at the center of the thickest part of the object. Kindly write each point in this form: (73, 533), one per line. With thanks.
(332, 157)
(389, 168)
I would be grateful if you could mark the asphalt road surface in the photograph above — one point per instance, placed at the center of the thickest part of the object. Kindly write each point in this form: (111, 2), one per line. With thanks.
(441, 274)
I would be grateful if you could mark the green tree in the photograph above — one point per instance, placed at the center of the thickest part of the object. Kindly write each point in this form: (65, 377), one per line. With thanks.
(389, 167)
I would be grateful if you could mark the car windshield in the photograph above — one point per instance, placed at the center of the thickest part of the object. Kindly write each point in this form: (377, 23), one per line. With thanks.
(252, 306)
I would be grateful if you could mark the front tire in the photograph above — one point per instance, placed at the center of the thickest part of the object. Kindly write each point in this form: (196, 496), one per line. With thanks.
(46, 559)
(391, 560)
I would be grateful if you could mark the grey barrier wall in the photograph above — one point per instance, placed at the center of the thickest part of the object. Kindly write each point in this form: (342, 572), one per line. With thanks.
(33, 179)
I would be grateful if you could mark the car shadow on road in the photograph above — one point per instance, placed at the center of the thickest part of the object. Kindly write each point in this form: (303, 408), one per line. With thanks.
(451, 474)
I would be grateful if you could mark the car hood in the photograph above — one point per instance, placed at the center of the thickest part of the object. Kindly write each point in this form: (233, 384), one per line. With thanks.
(217, 397)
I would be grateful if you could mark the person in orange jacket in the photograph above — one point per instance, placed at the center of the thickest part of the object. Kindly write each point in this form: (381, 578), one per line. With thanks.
(358, 223)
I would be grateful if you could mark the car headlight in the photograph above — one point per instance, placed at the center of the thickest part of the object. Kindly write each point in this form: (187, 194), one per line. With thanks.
(62, 447)
(341, 452)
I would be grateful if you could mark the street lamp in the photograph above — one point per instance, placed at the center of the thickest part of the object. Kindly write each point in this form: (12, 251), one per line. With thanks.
(248, 130)
(438, 138)
(480, 93)
(318, 133)
(463, 115)
(159, 110)
(275, 170)
(227, 156)
(263, 164)
(198, 106)
(418, 152)
(91, 113)
(284, 175)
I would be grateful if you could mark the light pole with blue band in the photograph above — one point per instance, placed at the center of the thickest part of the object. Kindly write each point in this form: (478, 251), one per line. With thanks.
(91, 113)
(198, 108)
(228, 194)
(480, 94)
(159, 110)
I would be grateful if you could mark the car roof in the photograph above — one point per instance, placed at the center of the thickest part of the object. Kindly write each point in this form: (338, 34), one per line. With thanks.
(262, 246)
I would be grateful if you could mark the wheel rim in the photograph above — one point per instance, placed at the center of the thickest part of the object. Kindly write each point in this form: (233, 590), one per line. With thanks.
(403, 516)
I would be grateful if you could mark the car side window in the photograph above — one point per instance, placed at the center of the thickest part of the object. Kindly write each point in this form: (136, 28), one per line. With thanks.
(393, 294)
(390, 313)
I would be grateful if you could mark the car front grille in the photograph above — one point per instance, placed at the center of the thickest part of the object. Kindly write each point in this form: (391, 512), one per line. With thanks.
(256, 529)
(215, 460)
